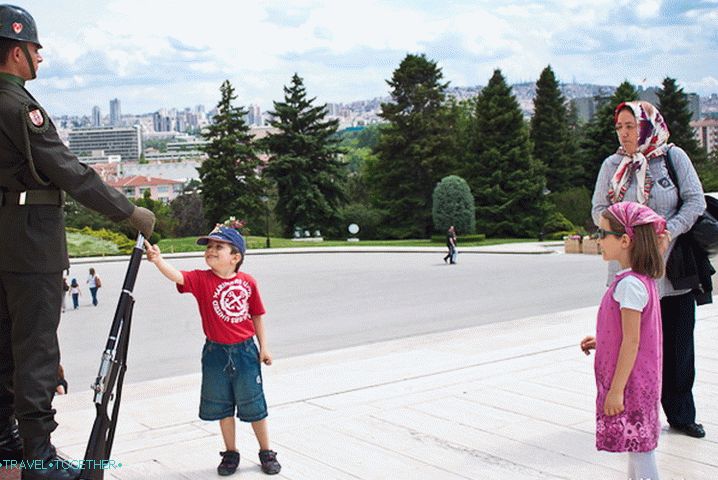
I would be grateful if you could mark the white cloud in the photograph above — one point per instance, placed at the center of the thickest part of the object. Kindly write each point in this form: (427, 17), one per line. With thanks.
(647, 8)
(158, 53)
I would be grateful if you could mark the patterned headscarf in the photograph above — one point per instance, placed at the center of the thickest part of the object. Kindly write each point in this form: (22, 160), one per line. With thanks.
(652, 137)
(632, 214)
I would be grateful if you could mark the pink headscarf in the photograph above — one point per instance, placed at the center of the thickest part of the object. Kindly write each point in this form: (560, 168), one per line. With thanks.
(652, 142)
(632, 214)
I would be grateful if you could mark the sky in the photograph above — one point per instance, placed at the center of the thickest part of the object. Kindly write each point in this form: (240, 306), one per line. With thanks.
(154, 54)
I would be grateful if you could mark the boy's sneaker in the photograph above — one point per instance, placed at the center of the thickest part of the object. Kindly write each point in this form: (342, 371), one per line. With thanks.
(230, 462)
(268, 459)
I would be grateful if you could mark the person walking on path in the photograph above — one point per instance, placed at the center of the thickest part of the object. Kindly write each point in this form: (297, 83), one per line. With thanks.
(638, 172)
(451, 245)
(93, 282)
(232, 314)
(75, 292)
(628, 339)
(65, 290)
(36, 169)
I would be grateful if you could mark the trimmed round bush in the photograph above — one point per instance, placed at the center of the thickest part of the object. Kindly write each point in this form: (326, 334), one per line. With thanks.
(453, 204)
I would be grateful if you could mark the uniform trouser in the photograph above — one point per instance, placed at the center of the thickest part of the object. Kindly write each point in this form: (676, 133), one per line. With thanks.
(29, 354)
(679, 319)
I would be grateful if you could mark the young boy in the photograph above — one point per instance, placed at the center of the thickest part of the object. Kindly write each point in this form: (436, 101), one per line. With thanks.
(231, 311)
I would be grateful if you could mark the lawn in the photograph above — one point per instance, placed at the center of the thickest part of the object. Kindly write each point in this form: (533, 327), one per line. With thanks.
(188, 244)
(80, 245)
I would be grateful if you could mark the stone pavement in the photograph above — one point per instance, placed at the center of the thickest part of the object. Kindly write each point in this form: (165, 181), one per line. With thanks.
(511, 400)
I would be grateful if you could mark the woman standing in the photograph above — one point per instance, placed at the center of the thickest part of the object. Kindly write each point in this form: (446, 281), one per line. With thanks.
(637, 172)
(93, 282)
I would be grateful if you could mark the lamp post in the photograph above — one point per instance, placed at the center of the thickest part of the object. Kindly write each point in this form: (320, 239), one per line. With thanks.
(545, 193)
(265, 201)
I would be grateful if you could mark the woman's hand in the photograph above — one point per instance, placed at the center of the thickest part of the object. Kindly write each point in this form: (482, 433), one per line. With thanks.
(588, 344)
(664, 240)
(614, 403)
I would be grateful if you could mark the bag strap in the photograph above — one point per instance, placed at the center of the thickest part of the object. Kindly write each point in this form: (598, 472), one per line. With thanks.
(673, 175)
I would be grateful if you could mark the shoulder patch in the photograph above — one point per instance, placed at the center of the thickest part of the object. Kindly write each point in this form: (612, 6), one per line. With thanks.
(36, 118)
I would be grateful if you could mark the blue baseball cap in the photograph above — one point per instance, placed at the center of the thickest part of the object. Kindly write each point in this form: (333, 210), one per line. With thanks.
(225, 235)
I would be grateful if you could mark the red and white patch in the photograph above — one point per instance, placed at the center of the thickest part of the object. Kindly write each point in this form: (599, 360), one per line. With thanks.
(17, 27)
(36, 118)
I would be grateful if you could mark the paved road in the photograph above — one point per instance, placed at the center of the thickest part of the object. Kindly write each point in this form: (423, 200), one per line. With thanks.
(319, 302)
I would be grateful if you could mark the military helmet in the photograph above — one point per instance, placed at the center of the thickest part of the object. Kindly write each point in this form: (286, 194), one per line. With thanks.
(17, 24)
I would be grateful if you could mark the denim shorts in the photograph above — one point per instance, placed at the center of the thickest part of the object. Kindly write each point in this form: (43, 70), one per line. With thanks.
(232, 379)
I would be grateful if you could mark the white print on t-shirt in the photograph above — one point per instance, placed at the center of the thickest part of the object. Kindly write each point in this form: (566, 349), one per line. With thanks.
(231, 300)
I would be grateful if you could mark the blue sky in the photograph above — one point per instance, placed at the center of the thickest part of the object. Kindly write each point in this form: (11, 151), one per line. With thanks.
(157, 53)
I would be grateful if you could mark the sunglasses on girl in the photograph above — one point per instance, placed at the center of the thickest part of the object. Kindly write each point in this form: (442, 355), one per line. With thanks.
(601, 233)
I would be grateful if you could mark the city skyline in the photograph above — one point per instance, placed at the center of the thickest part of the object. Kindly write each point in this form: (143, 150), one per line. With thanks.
(171, 54)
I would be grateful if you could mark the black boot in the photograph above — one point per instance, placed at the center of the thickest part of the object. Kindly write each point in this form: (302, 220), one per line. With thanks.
(43, 463)
(10, 442)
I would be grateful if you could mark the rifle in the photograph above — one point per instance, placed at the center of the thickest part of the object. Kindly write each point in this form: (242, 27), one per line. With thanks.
(108, 384)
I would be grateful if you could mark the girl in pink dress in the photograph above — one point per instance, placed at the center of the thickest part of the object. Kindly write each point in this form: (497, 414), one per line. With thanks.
(628, 338)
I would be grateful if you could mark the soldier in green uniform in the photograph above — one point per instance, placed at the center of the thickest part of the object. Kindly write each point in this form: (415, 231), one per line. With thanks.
(36, 168)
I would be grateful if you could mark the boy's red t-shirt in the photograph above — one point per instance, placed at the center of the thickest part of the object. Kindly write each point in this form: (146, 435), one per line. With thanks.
(226, 305)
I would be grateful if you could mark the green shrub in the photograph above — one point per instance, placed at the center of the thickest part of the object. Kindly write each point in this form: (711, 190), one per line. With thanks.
(124, 244)
(575, 205)
(559, 235)
(369, 220)
(556, 222)
(80, 245)
(453, 204)
(566, 233)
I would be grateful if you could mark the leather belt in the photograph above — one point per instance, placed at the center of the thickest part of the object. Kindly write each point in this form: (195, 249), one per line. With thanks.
(33, 197)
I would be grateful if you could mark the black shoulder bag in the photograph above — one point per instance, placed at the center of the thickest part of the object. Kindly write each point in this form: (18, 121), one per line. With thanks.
(705, 231)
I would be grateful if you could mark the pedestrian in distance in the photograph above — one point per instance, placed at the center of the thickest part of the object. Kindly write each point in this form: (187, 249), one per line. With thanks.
(93, 282)
(36, 170)
(628, 340)
(75, 292)
(65, 290)
(451, 245)
(639, 172)
(232, 312)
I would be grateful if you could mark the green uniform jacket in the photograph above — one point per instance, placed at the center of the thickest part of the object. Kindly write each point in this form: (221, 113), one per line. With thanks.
(32, 157)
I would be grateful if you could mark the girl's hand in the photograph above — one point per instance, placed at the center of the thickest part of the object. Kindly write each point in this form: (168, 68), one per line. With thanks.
(153, 252)
(588, 344)
(614, 403)
(265, 357)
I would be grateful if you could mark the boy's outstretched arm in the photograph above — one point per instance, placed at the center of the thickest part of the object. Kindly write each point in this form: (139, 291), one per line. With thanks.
(155, 256)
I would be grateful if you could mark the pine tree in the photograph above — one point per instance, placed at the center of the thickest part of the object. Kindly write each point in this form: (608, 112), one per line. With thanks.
(188, 212)
(230, 183)
(674, 108)
(550, 134)
(304, 162)
(507, 182)
(599, 138)
(414, 150)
